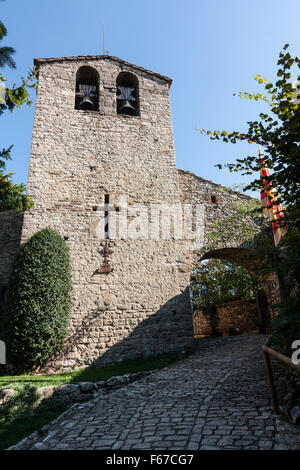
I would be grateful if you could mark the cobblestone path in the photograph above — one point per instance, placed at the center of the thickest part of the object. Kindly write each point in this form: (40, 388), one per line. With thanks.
(217, 398)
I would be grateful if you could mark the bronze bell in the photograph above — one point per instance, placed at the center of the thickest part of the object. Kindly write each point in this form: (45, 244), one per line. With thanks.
(126, 108)
(87, 103)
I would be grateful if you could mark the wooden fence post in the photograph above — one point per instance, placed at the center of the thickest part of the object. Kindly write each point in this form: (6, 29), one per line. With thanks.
(269, 372)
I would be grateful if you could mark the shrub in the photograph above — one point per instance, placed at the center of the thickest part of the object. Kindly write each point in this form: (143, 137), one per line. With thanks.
(38, 301)
(287, 324)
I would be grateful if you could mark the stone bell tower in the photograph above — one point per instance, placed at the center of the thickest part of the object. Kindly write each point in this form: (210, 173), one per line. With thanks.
(103, 132)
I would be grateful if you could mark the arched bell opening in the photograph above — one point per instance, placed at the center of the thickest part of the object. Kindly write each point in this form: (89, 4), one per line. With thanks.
(127, 94)
(87, 89)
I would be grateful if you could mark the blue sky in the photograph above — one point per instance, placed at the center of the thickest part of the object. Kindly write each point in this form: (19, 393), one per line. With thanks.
(210, 49)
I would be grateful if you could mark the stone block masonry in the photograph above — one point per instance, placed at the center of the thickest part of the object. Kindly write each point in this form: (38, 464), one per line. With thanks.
(78, 157)
(232, 318)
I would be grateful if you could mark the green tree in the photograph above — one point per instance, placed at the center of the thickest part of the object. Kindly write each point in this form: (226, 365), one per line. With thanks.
(38, 301)
(224, 280)
(278, 132)
(12, 196)
(5, 51)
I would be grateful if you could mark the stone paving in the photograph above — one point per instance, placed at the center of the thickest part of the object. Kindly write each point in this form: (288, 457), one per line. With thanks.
(218, 398)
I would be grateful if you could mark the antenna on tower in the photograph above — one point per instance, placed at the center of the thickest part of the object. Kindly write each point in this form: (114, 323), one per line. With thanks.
(105, 52)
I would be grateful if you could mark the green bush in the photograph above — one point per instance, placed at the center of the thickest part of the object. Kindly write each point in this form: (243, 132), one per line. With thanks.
(37, 306)
(287, 324)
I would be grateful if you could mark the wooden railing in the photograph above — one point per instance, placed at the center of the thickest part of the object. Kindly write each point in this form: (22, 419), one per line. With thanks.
(267, 352)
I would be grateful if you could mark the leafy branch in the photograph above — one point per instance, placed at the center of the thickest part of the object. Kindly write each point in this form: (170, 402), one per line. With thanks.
(278, 132)
(13, 196)
(18, 95)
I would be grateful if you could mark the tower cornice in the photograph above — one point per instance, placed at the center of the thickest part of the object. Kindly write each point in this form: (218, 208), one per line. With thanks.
(40, 61)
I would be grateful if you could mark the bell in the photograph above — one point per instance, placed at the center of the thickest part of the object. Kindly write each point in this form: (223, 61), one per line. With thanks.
(86, 103)
(126, 108)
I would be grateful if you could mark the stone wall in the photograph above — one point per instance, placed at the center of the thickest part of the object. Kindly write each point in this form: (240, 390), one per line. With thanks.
(10, 235)
(217, 200)
(232, 318)
(142, 307)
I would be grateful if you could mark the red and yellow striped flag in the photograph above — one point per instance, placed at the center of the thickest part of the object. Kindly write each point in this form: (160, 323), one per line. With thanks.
(274, 211)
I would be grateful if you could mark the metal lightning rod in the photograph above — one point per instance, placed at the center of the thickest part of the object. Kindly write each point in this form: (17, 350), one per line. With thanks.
(105, 52)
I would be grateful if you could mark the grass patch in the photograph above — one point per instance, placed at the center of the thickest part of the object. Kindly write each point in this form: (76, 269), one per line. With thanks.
(91, 374)
(24, 414)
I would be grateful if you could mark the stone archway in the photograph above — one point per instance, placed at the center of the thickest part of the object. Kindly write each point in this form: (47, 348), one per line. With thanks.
(240, 316)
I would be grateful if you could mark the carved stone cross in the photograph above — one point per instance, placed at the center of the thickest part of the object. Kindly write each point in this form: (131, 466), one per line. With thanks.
(106, 252)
